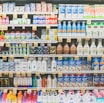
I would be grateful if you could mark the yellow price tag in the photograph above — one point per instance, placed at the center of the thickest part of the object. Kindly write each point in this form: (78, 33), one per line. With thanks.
(4, 58)
(76, 57)
(14, 90)
(1, 43)
(37, 73)
(60, 58)
(47, 37)
(47, 27)
(5, 28)
(10, 74)
(95, 71)
(68, 39)
(59, 39)
(79, 72)
(34, 28)
(83, 90)
(11, 57)
(25, 56)
(6, 73)
(0, 27)
(4, 15)
(54, 72)
(60, 90)
(43, 89)
(78, 39)
(0, 74)
(35, 44)
(55, 37)
(25, 16)
(29, 74)
(60, 74)
(74, 20)
(88, 21)
(7, 44)
(55, 32)
(87, 38)
(89, 57)
(14, 16)
(24, 44)
(102, 56)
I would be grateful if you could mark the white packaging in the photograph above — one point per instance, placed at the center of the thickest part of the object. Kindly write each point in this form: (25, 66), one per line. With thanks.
(54, 82)
(16, 9)
(34, 65)
(89, 30)
(80, 49)
(95, 30)
(5, 7)
(68, 11)
(38, 7)
(80, 11)
(44, 64)
(62, 10)
(11, 7)
(54, 65)
(74, 11)
(102, 10)
(43, 5)
(32, 7)
(39, 64)
(1, 8)
(49, 7)
(39, 82)
(49, 81)
(86, 10)
(61, 97)
(21, 9)
(98, 11)
(100, 48)
(44, 97)
(29, 65)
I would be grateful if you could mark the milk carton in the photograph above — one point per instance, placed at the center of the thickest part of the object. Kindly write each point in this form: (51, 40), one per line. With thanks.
(74, 11)
(68, 11)
(62, 10)
(98, 11)
(80, 11)
(86, 11)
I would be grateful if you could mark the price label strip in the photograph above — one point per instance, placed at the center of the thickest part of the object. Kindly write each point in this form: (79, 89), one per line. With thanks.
(34, 28)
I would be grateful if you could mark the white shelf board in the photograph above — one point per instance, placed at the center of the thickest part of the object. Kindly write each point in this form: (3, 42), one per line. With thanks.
(66, 35)
(28, 13)
(49, 55)
(57, 88)
(30, 25)
(82, 19)
(56, 72)
(30, 41)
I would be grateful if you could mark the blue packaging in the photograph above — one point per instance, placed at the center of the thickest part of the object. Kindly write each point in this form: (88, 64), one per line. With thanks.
(69, 27)
(60, 81)
(64, 28)
(83, 27)
(62, 10)
(80, 11)
(74, 11)
(89, 65)
(74, 28)
(72, 80)
(102, 64)
(66, 64)
(68, 11)
(59, 27)
(84, 63)
(100, 100)
(84, 80)
(72, 65)
(78, 80)
(78, 27)
(95, 63)
(59, 65)
(78, 64)
(66, 81)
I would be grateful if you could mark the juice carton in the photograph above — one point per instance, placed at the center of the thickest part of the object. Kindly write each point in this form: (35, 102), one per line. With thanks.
(80, 11)
(68, 11)
(74, 11)
(86, 11)
(62, 10)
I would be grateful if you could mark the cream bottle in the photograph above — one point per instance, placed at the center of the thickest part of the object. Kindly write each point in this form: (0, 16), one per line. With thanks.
(39, 64)
(93, 49)
(34, 65)
(53, 64)
(100, 49)
(80, 49)
(86, 48)
(49, 81)
(44, 64)
(73, 49)
(66, 49)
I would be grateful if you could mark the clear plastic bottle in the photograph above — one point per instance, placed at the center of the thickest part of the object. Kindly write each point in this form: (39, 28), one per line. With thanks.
(64, 27)
(59, 27)
(80, 49)
(69, 29)
(100, 49)
(74, 27)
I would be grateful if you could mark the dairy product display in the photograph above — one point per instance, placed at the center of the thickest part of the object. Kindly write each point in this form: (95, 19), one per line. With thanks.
(51, 52)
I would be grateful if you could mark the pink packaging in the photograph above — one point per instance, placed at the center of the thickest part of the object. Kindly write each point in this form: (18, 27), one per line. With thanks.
(7, 20)
(101, 92)
(3, 21)
(49, 7)
(43, 5)
(38, 7)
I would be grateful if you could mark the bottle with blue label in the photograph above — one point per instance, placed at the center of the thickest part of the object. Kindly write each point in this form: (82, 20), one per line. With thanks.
(59, 27)
(95, 63)
(83, 27)
(102, 63)
(68, 11)
(64, 27)
(80, 11)
(78, 27)
(69, 28)
(74, 27)
(66, 80)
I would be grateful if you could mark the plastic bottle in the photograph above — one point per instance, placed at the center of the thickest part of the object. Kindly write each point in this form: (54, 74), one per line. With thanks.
(44, 81)
(73, 49)
(59, 49)
(14, 98)
(74, 28)
(1, 96)
(100, 49)
(29, 80)
(64, 27)
(78, 27)
(54, 82)
(59, 27)
(66, 49)
(29, 65)
(49, 81)
(53, 65)
(39, 81)
(4, 96)
(86, 48)
(93, 49)
(44, 64)
(19, 97)
(69, 29)
(24, 100)
(80, 49)
(34, 65)
(34, 81)
(39, 98)
(83, 27)
(39, 64)
(34, 97)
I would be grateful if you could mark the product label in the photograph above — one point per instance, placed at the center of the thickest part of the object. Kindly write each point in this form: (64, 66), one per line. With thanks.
(60, 81)
(78, 65)
(95, 64)
(79, 81)
(84, 81)
(59, 65)
(68, 11)
(72, 81)
(72, 65)
(66, 81)
(66, 65)
(80, 10)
